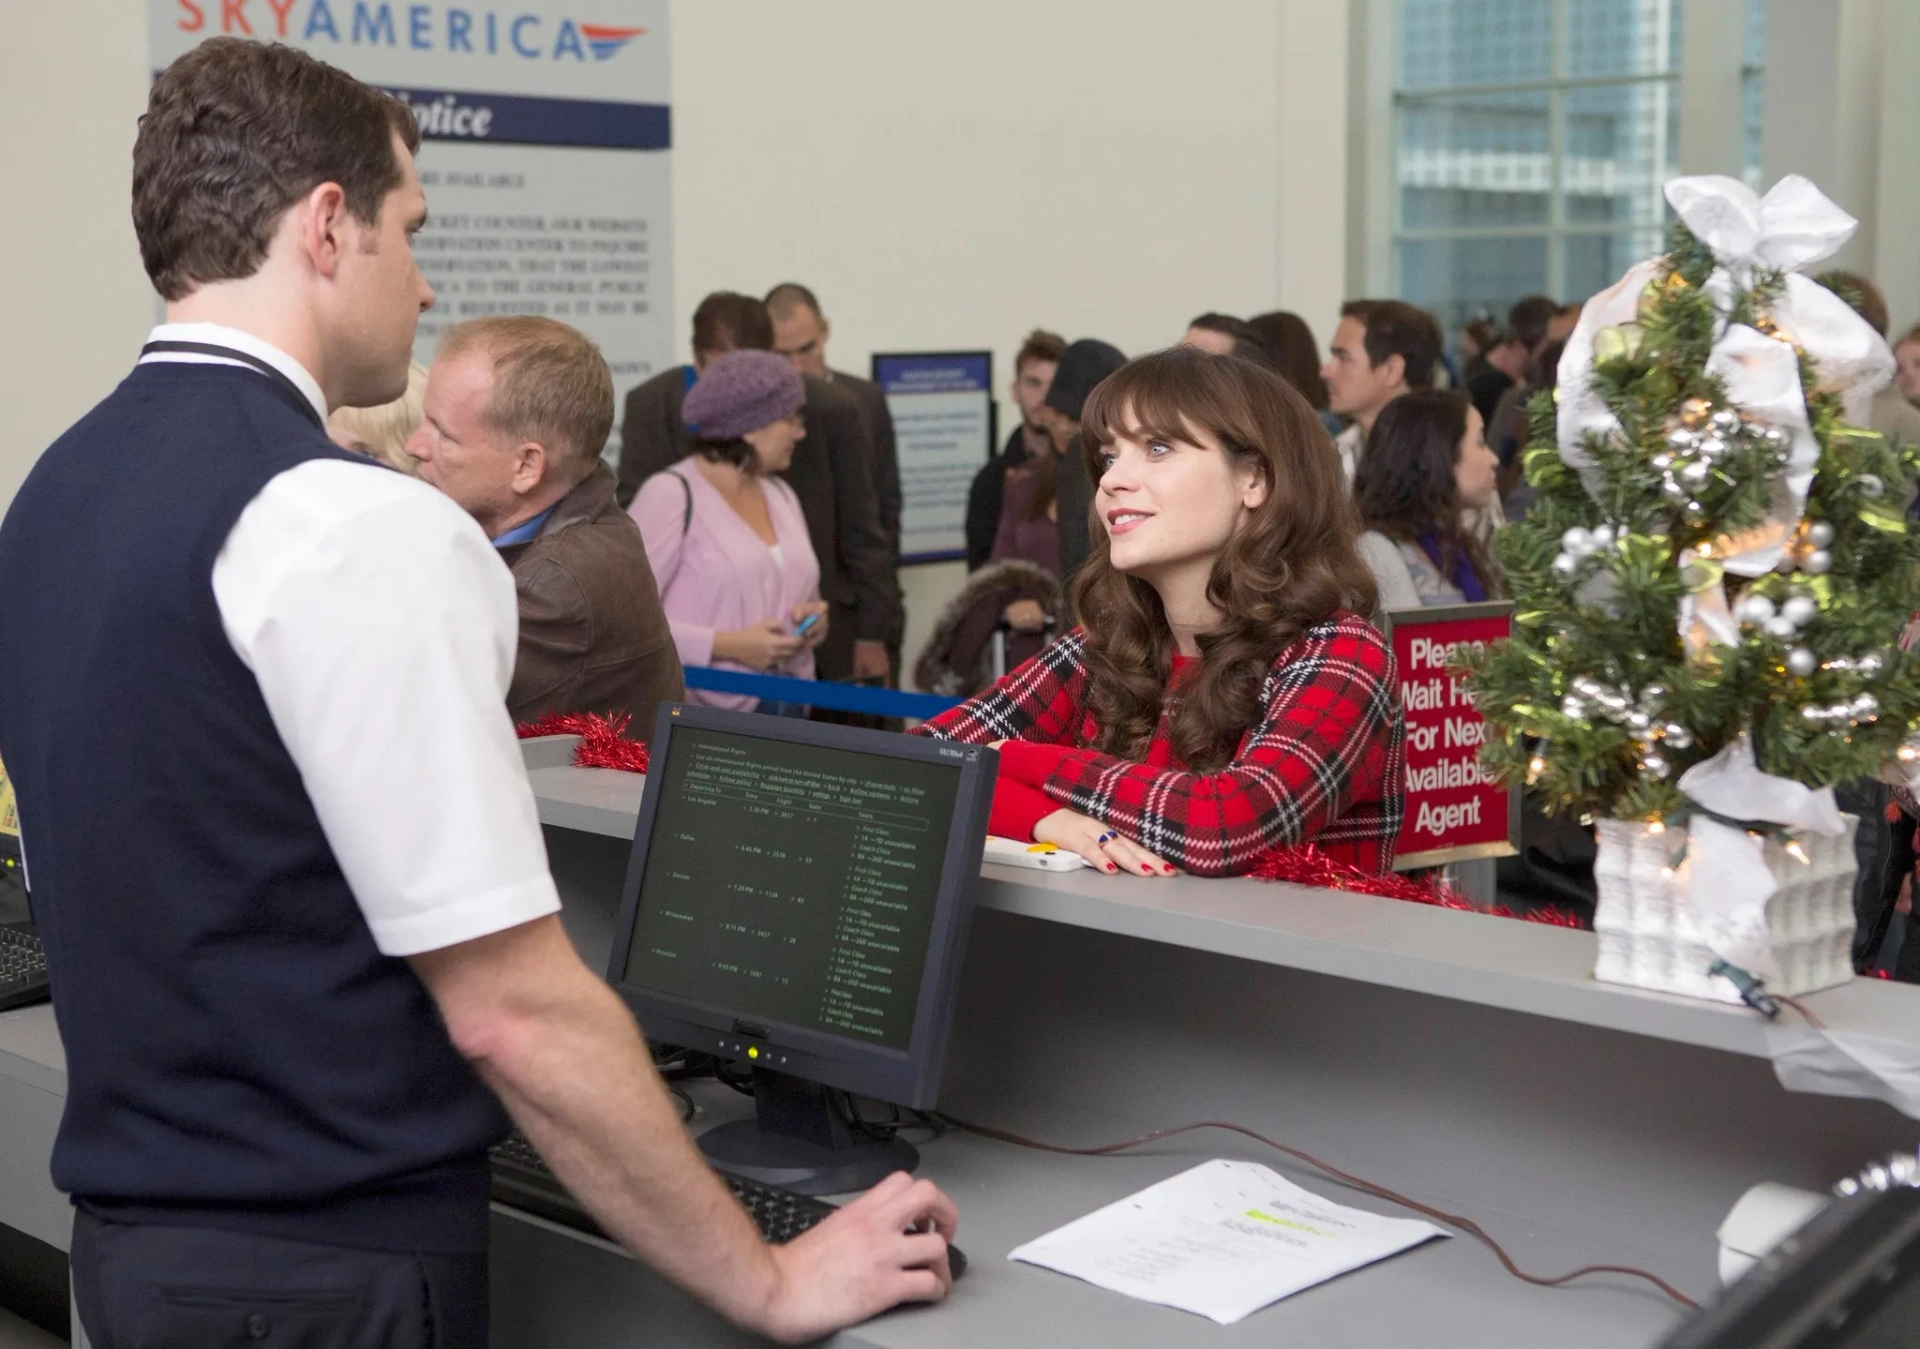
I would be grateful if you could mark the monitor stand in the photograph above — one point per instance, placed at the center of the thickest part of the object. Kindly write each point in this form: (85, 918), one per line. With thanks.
(801, 1140)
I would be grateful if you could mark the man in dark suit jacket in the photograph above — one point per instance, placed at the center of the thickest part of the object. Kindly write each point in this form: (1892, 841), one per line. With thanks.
(831, 473)
(800, 333)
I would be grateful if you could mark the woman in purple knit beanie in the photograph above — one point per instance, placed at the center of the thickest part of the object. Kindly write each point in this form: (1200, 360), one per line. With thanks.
(727, 540)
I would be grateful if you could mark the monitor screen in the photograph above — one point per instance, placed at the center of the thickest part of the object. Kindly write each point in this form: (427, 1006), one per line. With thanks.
(793, 883)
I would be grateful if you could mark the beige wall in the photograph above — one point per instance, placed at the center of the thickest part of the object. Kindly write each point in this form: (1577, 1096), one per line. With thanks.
(944, 177)
(951, 176)
(72, 82)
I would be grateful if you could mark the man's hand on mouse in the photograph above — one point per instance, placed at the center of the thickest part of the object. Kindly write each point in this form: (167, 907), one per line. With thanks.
(887, 1247)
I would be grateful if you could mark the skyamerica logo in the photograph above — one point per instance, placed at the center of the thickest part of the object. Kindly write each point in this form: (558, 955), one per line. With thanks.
(381, 23)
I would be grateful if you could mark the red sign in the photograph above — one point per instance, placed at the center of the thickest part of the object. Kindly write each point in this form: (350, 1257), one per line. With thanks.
(1454, 811)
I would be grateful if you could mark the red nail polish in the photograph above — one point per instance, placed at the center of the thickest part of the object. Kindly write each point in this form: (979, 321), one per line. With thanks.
(1169, 867)
(1112, 867)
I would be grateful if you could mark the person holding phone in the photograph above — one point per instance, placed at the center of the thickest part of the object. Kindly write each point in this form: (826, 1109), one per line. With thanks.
(726, 538)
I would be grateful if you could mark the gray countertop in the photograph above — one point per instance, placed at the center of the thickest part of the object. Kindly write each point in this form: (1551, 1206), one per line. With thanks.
(1496, 962)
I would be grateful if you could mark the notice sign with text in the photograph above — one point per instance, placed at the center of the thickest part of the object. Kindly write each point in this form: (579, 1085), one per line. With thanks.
(1455, 811)
(943, 422)
(545, 133)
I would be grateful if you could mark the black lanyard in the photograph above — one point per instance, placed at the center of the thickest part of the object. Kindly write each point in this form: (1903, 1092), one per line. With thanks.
(282, 385)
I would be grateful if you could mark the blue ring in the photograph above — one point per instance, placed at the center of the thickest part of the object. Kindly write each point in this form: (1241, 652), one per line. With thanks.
(1106, 837)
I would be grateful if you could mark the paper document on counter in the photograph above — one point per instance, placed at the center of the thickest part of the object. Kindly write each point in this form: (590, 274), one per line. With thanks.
(1221, 1240)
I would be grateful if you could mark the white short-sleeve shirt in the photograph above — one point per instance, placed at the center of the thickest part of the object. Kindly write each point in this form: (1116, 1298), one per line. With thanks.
(381, 625)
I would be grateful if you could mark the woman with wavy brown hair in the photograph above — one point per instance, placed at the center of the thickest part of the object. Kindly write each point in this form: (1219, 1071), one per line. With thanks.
(1222, 697)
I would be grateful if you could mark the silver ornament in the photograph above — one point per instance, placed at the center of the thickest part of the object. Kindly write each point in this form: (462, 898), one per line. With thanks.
(1639, 721)
(1866, 707)
(1801, 661)
(1671, 486)
(1870, 663)
(1779, 626)
(1565, 564)
(1678, 736)
(1680, 438)
(1662, 461)
(1713, 447)
(1726, 419)
(1577, 541)
(1817, 563)
(1696, 512)
(1653, 693)
(1654, 766)
(1820, 534)
(1870, 485)
(1799, 609)
(1602, 537)
(1773, 435)
(1572, 706)
(1755, 609)
(1696, 472)
(1812, 713)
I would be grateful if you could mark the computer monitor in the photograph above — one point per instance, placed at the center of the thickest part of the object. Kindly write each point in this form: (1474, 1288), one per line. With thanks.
(798, 902)
(1848, 1279)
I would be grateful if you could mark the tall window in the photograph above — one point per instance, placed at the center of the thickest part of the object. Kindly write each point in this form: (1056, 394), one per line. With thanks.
(1532, 138)
(1751, 71)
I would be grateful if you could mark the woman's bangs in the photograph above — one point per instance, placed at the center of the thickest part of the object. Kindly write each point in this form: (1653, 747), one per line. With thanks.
(1147, 400)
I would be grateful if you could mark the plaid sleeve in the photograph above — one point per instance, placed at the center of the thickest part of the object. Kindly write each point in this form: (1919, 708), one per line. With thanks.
(1329, 735)
(1037, 701)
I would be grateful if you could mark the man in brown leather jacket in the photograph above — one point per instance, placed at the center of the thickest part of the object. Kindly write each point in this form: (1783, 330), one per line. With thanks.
(517, 412)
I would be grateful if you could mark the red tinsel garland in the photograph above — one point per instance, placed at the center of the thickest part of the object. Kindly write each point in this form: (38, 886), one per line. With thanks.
(603, 744)
(603, 741)
(1309, 866)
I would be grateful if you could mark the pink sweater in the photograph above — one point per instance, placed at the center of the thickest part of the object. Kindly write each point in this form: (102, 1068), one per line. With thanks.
(717, 575)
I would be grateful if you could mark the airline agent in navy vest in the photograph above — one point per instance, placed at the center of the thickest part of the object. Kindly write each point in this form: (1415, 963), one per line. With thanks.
(279, 842)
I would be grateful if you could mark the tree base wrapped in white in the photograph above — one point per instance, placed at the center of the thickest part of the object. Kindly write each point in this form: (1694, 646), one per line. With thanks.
(1645, 922)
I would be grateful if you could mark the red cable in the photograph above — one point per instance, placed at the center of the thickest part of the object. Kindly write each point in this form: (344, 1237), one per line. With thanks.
(1467, 1225)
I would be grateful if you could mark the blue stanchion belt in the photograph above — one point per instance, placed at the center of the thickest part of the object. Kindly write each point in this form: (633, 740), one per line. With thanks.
(819, 693)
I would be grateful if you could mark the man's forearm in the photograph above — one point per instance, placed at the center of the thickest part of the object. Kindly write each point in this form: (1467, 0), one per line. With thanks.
(572, 1069)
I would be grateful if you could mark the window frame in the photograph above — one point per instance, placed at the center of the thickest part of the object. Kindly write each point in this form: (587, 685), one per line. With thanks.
(1556, 85)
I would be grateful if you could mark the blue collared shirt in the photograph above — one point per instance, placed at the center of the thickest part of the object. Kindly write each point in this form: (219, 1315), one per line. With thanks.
(523, 531)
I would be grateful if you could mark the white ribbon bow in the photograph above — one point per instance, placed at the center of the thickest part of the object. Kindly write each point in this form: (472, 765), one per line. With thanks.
(1729, 882)
(1793, 225)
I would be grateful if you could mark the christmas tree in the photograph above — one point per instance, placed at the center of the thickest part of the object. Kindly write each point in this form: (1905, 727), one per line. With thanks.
(1719, 549)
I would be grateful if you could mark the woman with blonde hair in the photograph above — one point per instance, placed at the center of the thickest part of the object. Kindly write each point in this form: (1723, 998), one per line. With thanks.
(382, 432)
(1223, 697)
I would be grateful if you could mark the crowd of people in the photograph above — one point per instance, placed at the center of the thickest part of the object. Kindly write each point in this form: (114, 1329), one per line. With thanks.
(257, 693)
(765, 487)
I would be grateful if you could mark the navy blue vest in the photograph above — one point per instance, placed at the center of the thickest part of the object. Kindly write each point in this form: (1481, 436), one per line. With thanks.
(239, 1054)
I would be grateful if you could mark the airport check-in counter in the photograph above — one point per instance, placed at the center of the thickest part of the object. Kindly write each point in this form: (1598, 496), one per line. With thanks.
(1467, 1061)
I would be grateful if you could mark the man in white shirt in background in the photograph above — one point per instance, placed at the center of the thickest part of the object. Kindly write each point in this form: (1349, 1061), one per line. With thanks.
(272, 1043)
(1382, 349)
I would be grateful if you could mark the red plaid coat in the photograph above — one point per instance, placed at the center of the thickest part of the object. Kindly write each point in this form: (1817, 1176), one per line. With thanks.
(1323, 762)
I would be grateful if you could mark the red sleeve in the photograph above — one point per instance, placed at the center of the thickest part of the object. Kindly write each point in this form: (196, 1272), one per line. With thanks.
(1031, 764)
(1329, 734)
(1039, 701)
(1017, 808)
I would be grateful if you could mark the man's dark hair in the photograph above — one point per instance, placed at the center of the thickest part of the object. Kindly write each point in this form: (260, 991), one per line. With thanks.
(234, 134)
(1861, 295)
(1040, 345)
(1528, 319)
(1248, 345)
(1396, 328)
(790, 293)
(729, 321)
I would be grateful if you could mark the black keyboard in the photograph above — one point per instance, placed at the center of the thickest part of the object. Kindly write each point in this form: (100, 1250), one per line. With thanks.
(23, 969)
(781, 1215)
(521, 1180)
